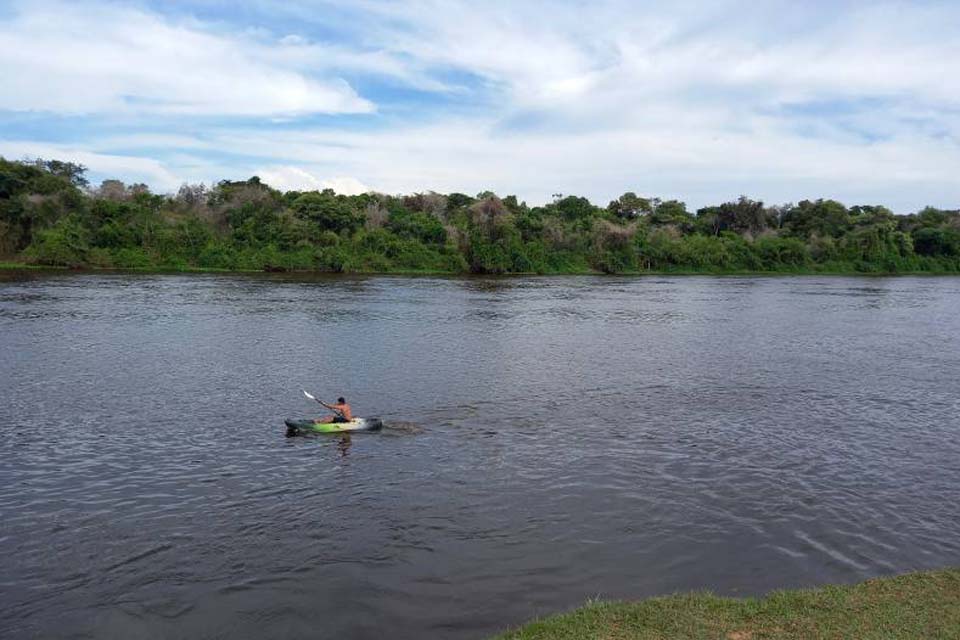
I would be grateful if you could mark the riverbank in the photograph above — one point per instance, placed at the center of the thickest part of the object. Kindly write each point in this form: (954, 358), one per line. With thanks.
(915, 605)
(820, 270)
(25, 266)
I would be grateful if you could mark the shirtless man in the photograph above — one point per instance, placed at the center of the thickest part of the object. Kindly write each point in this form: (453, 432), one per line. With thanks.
(341, 412)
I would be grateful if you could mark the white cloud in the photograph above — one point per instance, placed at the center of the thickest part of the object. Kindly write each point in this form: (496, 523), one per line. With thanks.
(107, 58)
(699, 100)
(346, 185)
(132, 169)
(547, 52)
(288, 178)
(687, 160)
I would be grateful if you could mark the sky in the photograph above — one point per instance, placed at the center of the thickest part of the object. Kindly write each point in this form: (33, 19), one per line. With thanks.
(699, 101)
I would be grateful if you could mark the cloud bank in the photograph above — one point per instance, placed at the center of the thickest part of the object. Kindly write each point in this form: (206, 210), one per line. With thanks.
(110, 59)
(702, 101)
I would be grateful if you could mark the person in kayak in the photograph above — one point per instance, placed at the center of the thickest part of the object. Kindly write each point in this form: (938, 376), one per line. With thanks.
(341, 412)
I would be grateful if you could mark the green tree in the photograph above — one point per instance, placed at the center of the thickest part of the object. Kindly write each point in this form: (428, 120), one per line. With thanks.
(573, 209)
(820, 217)
(64, 244)
(328, 210)
(629, 206)
(929, 241)
(421, 226)
(49, 215)
(743, 216)
(672, 212)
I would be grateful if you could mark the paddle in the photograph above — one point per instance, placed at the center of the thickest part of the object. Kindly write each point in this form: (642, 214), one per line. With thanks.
(336, 411)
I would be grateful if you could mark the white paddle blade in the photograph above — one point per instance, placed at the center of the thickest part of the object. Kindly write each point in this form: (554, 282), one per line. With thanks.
(308, 395)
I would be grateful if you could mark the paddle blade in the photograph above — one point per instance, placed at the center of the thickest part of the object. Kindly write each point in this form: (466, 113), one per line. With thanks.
(308, 395)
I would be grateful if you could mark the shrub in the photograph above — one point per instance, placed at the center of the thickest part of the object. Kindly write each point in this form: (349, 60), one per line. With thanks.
(419, 226)
(773, 252)
(65, 244)
(132, 258)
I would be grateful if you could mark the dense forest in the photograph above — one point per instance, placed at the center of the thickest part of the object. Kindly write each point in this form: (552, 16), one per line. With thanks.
(51, 215)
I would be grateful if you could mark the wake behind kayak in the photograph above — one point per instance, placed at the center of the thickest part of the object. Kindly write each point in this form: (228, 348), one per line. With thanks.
(301, 427)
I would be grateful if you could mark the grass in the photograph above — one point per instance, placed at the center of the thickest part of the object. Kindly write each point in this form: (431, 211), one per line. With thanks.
(916, 605)
(784, 270)
(19, 266)
(28, 266)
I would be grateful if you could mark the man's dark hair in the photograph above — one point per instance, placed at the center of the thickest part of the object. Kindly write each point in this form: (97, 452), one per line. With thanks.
(340, 400)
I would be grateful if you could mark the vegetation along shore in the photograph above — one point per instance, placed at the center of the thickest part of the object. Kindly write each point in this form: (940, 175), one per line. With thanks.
(50, 215)
(916, 606)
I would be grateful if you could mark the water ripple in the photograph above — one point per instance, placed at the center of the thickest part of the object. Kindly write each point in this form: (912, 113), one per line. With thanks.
(547, 440)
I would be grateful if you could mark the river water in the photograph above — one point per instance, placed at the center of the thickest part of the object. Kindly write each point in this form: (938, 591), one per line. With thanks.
(548, 440)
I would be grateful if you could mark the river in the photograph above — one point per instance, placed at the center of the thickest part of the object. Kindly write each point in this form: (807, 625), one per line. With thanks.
(547, 440)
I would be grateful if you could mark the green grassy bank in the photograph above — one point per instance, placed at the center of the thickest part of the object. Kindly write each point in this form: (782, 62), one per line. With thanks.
(815, 270)
(20, 266)
(922, 605)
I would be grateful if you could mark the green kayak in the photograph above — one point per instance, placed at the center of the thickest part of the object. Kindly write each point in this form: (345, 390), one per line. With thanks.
(299, 427)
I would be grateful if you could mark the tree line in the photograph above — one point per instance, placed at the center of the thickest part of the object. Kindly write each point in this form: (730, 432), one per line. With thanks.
(51, 215)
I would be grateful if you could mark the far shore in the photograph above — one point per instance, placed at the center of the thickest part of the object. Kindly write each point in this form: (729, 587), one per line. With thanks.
(27, 266)
(923, 605)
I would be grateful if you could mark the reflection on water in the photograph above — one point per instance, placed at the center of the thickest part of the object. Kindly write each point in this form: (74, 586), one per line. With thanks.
(546, 440)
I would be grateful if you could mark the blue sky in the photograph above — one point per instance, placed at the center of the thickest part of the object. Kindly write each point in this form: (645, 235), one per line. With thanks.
(701, 101)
